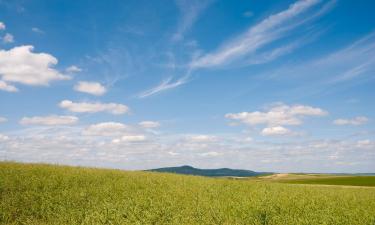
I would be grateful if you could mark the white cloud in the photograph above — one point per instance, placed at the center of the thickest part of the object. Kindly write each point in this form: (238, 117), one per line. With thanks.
(129, 138)
(73, 69)
(93, 88)
(2, 26)
(3, 137)
(366, 144)
(149, 124)
(37, 30)
(105, 129)
(274, 53)
(210, 154)
(21, 65)
(278, 115)
(190, 9)
(67, 145)
(270, 29)
(8, 38)
(201, 138)
(7, 87)
(3, 119)
(88, 107)
(359, 120)
(52, 120)
(163, 86)
(278, 130)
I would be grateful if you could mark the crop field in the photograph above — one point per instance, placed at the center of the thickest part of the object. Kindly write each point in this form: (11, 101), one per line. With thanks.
(345, 180)
(45, 194)
(323, 179)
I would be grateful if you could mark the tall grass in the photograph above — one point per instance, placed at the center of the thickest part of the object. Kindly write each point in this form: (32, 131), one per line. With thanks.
(43, 194)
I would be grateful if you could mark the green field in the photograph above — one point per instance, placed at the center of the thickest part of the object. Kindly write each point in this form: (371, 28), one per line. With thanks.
(344, 180)
(322, 179)
(43, 194)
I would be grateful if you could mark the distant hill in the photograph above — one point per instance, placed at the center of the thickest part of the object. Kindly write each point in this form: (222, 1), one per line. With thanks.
(222, 172)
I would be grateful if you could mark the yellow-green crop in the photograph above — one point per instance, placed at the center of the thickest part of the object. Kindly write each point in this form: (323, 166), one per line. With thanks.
(44, 194)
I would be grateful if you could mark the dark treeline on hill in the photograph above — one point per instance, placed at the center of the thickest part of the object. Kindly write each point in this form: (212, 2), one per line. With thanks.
(222, 172)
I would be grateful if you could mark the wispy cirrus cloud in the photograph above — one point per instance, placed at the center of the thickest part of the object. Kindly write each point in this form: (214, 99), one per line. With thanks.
(272, 28)
(245, 46)
(166, 84)
(353, 62)
(190, 11)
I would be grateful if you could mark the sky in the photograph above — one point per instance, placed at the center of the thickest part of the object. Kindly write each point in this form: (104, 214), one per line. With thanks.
(282, 86)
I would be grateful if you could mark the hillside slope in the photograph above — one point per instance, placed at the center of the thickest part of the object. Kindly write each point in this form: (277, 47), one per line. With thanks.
(221, 172)
(44, 194)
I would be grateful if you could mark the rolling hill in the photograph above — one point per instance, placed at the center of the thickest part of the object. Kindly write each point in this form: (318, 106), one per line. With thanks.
(222, 172)
(48, 194)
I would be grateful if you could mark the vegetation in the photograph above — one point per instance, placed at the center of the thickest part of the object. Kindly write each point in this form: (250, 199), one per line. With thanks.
(222, 172)
(343, 180)
(45, 194)
(322, 179)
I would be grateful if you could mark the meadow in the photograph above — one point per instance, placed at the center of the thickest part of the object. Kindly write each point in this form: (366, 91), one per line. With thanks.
(47, 194)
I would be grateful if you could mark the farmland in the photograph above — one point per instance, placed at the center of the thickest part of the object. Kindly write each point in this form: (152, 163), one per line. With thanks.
(322, 179)
(47, 194)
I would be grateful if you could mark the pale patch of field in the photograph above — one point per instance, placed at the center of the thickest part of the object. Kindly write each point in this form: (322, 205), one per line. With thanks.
(291, 176)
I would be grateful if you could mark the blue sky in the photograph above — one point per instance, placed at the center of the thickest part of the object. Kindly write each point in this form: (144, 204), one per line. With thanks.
(284, 86)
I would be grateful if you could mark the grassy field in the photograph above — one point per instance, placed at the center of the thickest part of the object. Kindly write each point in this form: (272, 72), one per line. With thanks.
(347, 181)
(43, 194)
(322, 179)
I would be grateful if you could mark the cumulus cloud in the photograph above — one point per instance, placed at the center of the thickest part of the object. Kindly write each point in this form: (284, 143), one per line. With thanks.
(200, 138)
(278, 115)
(275, 131)
(21, 65)
(359, 120)
(73, 69)
(105, 129)
(93, 88)
(366, 144)
(2, 26)
(8, 38)
(3, 137)
(52, 120)
(129, 138)
(88, 107)
(278, 130)
(149, 124)
(7, 87)
(130, 150)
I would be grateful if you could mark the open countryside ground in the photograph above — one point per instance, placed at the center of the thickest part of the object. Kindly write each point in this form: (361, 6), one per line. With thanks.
(45, 194)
